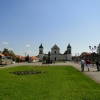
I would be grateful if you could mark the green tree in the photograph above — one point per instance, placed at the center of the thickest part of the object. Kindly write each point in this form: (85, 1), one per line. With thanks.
(18, 59)
(12, 54)
(83, 53)
(45, 57)
(27, 58)
(7, 52)
(73, 57)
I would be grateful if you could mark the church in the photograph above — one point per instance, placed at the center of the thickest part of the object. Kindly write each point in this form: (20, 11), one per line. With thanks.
(55, 54)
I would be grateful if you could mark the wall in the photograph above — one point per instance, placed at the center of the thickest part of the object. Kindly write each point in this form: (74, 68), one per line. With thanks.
(57, 51)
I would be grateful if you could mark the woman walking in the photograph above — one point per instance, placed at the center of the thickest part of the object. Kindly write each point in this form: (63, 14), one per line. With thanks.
(88, 64)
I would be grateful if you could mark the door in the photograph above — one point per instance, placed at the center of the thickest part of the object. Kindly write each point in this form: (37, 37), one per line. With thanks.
(55, 58)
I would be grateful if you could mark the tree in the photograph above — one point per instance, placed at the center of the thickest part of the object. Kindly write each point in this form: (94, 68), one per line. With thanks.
(18, 59)
(12, 55)
(83, 53)
(7, 52)
(27, 58)
(45, 57)
(73, 57)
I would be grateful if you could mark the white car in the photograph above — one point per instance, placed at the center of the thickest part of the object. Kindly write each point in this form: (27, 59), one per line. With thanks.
(31, 61)
(13, 62)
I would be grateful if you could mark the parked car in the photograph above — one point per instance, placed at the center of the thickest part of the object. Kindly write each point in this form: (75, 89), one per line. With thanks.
(31, 61)
(13, 62)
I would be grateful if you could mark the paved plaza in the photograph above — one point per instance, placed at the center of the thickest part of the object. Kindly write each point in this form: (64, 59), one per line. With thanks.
(93, 73)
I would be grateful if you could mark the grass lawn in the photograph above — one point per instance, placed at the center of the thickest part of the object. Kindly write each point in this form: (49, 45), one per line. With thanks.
(58, 83)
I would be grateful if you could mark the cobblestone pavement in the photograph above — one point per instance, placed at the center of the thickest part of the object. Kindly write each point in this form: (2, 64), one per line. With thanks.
(93, 73)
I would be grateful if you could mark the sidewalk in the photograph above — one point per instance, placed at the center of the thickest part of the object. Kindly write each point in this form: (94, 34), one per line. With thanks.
(93, 73)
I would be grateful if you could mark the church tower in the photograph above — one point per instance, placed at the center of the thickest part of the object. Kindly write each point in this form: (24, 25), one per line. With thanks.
(68, 49)
(41, 54)
(69, 52)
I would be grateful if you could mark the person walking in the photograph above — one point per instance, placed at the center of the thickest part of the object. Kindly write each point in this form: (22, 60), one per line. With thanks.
(97, 64)
(82, 64)
(88, 64)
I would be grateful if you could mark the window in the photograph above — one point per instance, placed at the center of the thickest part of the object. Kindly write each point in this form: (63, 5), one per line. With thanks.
(4, 57)
(55, 58)
(40, 51)
(55, 52)
(9, 57)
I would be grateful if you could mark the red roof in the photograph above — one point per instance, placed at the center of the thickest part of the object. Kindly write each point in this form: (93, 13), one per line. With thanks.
(1, 54)
(30, 57)
(33, 58)
(6, 54)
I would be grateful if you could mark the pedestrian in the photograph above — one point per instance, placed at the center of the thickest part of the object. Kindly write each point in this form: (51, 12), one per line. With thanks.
(82, 64)
(97, 64)
(88, 64)
(54, 62)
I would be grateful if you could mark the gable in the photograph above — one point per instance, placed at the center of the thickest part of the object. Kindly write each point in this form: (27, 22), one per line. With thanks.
(55, 47)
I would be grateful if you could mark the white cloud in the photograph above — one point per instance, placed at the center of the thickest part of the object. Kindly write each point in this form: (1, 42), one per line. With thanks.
(27, 45)
(34, 52)
(5, 43)
(10, 49)
(29, 51)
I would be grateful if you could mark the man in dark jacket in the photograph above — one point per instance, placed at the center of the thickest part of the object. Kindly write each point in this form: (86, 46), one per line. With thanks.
(97, 64)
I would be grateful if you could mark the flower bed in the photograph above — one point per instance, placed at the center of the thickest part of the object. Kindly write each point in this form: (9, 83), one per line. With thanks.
(27, 72)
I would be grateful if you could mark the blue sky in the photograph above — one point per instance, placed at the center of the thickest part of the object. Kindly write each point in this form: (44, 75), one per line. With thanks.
(25, 24)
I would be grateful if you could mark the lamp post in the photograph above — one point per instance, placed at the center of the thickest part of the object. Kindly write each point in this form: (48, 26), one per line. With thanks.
(92, 49)
(76, 55)
(49, 57)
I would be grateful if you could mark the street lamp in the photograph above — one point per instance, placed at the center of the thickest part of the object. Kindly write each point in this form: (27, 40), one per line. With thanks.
(92, 49)
(76, 55)
(49, 57)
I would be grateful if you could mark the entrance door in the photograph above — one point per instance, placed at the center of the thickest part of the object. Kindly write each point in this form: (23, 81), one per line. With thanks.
(55, 58)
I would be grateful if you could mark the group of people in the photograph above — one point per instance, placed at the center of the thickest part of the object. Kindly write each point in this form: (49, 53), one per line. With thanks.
(87, 62)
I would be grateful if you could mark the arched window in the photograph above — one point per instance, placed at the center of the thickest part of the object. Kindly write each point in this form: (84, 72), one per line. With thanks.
(55, 58)
(40, 52)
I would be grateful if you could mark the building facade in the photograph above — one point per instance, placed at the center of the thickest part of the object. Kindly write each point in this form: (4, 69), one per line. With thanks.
(98, 49)
(55, 54)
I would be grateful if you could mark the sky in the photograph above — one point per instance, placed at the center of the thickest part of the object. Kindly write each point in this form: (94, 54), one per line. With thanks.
(25, 24)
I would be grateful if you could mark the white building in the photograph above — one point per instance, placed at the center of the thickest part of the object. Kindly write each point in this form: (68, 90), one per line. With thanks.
(55, 54)
(98, 49)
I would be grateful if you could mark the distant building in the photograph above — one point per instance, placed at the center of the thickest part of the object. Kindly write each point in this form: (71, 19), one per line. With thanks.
(23, 58)
(92, 56)
(1, 54)
(55, 54)
(98, 49)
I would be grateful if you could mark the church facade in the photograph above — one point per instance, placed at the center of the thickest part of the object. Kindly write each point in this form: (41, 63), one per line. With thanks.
(55, 54)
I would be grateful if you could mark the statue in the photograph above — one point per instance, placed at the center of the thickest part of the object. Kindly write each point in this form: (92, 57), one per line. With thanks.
(49, 57)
